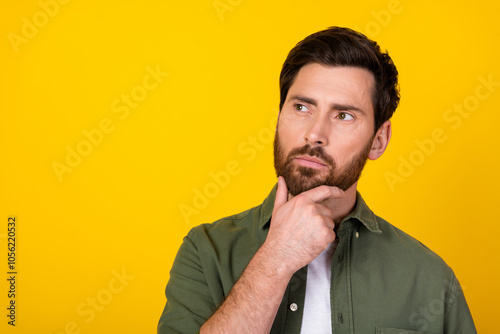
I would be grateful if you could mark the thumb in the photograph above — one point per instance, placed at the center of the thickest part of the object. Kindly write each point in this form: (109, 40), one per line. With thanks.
(281, 193)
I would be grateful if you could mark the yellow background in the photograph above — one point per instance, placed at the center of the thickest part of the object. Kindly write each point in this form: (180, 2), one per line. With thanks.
(119, 209)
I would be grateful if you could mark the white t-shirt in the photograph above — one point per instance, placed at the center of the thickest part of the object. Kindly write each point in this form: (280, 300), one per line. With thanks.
(317, 311)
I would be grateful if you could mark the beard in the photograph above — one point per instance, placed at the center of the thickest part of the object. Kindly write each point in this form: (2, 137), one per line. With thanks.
(301, 178)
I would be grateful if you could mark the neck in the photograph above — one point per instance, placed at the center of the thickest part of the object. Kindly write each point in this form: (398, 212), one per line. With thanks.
(343, 206)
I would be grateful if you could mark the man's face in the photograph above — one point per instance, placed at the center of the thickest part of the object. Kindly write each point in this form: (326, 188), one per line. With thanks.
(325, 128)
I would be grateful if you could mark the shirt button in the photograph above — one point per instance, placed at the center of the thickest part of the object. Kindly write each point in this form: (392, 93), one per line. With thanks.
(293, 307)
(357, 235)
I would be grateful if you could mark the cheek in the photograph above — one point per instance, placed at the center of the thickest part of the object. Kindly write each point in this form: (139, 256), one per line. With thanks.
(284, 145)
(343, 141)
(347, 146)
(290, 134)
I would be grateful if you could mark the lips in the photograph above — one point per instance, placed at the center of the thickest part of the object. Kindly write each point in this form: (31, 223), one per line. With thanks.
(309, 161)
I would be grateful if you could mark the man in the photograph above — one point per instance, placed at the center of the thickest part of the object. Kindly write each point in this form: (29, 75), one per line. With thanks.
(313, 258)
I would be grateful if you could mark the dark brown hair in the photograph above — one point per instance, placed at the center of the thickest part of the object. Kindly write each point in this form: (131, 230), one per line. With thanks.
(337, 46)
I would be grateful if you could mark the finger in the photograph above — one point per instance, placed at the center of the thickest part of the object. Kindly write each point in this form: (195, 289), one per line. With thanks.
(329, 222)
(323, 221)
(324, 210)
(317, 209)
(281, 193)
(331, 237)
(321, 193)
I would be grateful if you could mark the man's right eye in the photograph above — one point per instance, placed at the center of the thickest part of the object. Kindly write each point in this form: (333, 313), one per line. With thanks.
(300, 107)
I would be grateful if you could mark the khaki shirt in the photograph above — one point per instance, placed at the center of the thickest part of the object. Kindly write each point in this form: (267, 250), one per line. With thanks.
(382, 280)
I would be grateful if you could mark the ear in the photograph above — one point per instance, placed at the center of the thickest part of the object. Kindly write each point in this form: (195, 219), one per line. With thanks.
(380, 141)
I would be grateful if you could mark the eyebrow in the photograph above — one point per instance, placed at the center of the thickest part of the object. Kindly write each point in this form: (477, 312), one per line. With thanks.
(335, 106)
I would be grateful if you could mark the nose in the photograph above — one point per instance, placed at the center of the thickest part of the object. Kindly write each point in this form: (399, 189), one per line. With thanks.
(317, 134)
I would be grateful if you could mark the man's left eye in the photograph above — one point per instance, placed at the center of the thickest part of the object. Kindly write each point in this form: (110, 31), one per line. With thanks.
(345, 116)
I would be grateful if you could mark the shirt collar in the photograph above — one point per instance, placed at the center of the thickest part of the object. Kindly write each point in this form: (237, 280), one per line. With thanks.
(361, 212)
(267, 208)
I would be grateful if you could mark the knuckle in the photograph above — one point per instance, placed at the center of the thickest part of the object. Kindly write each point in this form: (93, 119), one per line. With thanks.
(324, 190)
(338, 192)
(310, 208)
(332, 191)
(330, 237)
(317, 220)
(301, 199)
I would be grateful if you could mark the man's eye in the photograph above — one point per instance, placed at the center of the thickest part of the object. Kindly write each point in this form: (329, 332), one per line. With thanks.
(345, 116)
(301, 107)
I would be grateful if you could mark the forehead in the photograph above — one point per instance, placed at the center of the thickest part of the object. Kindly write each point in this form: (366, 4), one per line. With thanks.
(334, 84)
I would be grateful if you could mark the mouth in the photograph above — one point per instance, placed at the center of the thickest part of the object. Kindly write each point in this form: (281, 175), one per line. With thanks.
(311, 162)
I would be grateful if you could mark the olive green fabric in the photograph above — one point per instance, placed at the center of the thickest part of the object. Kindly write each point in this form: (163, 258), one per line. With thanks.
(382, 280)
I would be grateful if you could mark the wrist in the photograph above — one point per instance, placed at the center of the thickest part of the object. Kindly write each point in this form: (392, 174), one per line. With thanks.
(274, 263)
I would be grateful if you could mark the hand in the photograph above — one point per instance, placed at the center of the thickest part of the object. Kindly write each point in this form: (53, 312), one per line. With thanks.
(301, 228)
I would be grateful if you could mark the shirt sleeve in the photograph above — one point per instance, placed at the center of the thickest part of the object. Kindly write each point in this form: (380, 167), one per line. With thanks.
(458, 319)
(189, 302)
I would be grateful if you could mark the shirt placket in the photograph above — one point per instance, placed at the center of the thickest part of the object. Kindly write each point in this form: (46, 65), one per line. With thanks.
(292, 306)
(340, 287)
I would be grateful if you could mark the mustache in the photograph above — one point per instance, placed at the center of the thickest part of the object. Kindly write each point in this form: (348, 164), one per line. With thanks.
(316, 151)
